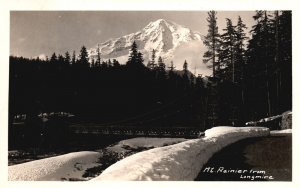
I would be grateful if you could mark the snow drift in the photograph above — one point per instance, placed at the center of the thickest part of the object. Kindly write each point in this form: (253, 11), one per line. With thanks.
(63, 167)
(181, 161)
(281, 132)
(143, 142)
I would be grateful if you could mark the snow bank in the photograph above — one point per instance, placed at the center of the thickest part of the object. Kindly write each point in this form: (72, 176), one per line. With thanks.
(63, 167)
(282, 121)
(143, 142)
(181, 161)
(281, 132)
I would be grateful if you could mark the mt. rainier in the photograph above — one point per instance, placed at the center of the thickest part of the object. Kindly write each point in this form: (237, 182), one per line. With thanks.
(165, 37)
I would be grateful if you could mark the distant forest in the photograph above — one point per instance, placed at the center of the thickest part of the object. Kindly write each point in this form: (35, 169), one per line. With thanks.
(252, 78)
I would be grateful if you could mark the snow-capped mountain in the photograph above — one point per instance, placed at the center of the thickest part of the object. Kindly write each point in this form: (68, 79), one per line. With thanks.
(165, 37)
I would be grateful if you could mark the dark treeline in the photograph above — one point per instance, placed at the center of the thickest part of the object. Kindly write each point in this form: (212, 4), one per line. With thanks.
(252, 77)
(106, 92)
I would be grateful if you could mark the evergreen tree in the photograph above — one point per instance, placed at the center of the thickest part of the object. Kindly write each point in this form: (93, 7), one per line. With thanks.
(161, 69)
(228, 51)
(104, 64)
(61, 59)
(171, 73)
(116, 63)
(67, 58)
(212, 41)
(185, 77)
(240, 47)
(284, 62)
(261, 56)
(172, 67)
(161, 65)
(149, 65)
(53, 58)
(93, 62)
(109, 63)
(240, 58)
(185, 67)
(140, 58)
(268, 65)
(61, 62)
(152, 64)
(135, 57)
(84, 57)
(73, 58)
(98, 60)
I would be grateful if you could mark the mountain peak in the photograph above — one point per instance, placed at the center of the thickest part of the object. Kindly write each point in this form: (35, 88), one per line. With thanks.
(162, 35)
(162, 23)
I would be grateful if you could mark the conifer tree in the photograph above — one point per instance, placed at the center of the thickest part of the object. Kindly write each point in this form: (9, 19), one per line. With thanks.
(98, 59)
(135, 59)
(171, 67)
(133, 56)
(285, 60)
(185, 75)
(84, 57)
(152, 64)
(93, 62)
(240, 47)
(116, 63)
(161, 65)
(161, 69)
(261, 60)
(67, 58)
(73, 61)
(61, 59)
(212, 41)
(140, 58)
(109, 63)
(53, 58)
(185, 67)
(227, 50)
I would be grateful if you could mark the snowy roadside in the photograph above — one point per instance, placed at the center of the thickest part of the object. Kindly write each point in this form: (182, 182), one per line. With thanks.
(70, 166)
(181, 161)
(281, 132)
(143, 143)
(81, 166)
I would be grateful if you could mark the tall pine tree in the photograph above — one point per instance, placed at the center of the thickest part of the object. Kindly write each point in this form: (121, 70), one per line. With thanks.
(98, 59)
(227, 51)
(212, 41)
(84, 57)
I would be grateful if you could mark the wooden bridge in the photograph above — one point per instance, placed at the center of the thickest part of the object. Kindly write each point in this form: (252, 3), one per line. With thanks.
(184, 132)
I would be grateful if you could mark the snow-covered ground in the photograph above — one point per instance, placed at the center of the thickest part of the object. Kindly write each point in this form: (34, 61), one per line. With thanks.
(63, 167)
(181, 161)
(281, 132)
(73, 165)
(143, 142)
(286, 120)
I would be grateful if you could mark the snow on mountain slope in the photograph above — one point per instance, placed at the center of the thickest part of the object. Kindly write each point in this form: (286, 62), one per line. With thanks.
(161, 35)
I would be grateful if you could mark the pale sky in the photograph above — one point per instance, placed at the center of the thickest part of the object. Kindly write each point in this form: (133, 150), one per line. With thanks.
(43, 32)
